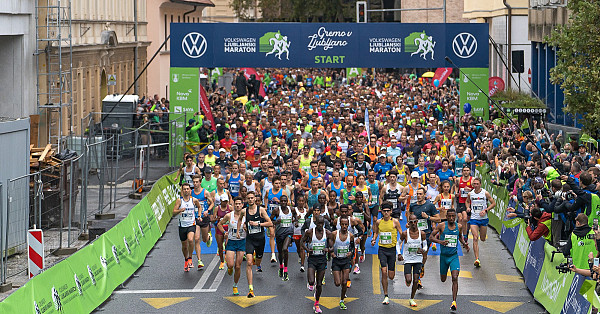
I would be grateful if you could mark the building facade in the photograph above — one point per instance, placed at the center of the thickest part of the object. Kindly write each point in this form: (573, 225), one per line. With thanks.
(454, 11)
(508, 31)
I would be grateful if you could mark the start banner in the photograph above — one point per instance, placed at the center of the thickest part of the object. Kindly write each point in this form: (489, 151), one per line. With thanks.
(329, 45)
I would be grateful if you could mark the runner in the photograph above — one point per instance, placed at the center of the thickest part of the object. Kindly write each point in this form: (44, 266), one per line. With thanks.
(356, 228)
(187, 172)
(209, 182)
(374, 185)
(409, 193)
(249, 183)
(391, 192)
(447, 235)
(426, 214)
(186, 207)
(234, 179)
(256, 219)
(222, 210)
(360, 211)
(444, 200)
(336, 185)
(271, 200)
(342, 243)
(283, 218)
(301, 212)
(202, 225)
(462, 188)
(317, 248)
(477, 205)
(389, 228)
(236, 241)
(415, 247)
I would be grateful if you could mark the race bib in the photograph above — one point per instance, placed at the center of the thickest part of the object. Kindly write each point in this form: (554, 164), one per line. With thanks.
(394, 203)
(446, 203)
(374, 199)
(422, 224)
(410, 160)
(463, 193)
(342, 250)
(318, 248)
(385, 238)
(286, 222)
(360, 216)
(301, 221)
(254, 229)
(458, 172)
(452, 240)
(412, 249)
(401, 178)
(477, 209)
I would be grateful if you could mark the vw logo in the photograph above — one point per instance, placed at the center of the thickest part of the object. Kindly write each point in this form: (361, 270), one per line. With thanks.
(464, 45)
(193, 45)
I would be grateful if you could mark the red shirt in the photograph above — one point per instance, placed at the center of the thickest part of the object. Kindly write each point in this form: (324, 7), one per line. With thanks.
(464, 184)
(226, 143)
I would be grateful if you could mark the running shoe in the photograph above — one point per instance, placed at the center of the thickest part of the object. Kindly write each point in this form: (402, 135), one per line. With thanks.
(299, 261)
(422, 272)
(453, 306)
(280, 272)
(386, 301)
(317, 309)
(323, 282)
(186, 265)
(412, 302)
(200, 264)
(273, 259)
(222, 266)
(302, 269)
(356, 269)
(343, 305)
(361, 258)
(210, 238)
(229, 271)
(310, 288)
(286, 277)
(235, 291)
(477, 263)
(419, 285)
(258, 269)
(348, 283)
(251, 294)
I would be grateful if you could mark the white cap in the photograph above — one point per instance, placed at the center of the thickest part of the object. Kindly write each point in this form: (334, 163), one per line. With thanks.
(233, 126)
(414, 174)
(210, 147)
(298, 132)
(222, 150)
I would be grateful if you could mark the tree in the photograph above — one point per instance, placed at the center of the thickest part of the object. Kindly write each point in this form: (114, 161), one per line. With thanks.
(577, 69)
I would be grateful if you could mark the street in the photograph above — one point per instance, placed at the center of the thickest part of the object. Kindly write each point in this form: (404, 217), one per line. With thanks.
(161, 285)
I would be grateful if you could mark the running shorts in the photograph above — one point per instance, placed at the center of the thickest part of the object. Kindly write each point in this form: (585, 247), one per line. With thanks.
(387, 257)
(339, 264)
(255, 245)
(412, 268)
(236, 245)
(184, 231)
(318, 263)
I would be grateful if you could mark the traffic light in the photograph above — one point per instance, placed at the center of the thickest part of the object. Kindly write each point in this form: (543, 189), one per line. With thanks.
(361, 11)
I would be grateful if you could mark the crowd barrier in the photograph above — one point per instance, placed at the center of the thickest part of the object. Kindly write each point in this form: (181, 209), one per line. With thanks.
(557, 292)
(83, 281)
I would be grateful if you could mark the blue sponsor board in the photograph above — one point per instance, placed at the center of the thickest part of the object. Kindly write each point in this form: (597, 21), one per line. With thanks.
(575, 302)
(534, 263)
(509, 237)
(329, 45)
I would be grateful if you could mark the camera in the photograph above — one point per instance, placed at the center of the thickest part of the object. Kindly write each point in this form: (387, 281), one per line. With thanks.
(567, 196)
(565, 267)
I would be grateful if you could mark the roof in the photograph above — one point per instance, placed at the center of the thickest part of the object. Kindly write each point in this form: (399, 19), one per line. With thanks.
(127, 98)
(206, 3)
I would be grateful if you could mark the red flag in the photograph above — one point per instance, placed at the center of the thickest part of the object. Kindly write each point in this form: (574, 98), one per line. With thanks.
(205, 105)
(495, 84)
(442, 75)
(250, 71)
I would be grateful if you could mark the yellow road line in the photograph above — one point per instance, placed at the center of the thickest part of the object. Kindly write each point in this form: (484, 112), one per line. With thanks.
(375, 271)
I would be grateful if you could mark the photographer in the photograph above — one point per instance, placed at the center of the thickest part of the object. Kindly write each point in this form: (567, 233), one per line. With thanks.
(549, 205)
(539, 225)
(581, 243)
(585, 194)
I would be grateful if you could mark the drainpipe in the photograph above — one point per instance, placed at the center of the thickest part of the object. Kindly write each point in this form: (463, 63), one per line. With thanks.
(188, 12)
(509, 37)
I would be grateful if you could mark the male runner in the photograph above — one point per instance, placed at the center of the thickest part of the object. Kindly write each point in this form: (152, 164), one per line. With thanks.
(187, 206)
(317, 260)
(415, 246)
(283, 218)
(342, 243)
(256, 219)
(462, 188)
(426, 213)
(209, 182)
(360, 211)
(205, 211)
(389, 228)
(236, 241)
(187, 172)
(391, 192)
(448, 234)
(374, 185)
(355, 226)
(477, 205)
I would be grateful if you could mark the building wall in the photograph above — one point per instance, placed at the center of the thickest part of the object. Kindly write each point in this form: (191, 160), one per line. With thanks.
(454, 11)
(17, 65)
(221, 12)
(478, 9)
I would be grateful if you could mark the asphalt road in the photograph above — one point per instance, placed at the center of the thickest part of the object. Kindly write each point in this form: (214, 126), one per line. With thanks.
(161, 286)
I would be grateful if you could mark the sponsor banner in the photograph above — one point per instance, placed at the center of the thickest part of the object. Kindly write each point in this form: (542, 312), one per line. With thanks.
(495, 85)
(470, 78)
(250, 71)
(552, 287)
(509, 237)
(521, 247)
(353, 72)
(329, 45)
(442, 75)
(184, 96)
(575, 302)
(83, 281)
(533, 263)
(205, 105)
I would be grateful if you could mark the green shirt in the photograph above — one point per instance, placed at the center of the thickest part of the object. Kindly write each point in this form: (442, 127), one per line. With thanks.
(210, 185)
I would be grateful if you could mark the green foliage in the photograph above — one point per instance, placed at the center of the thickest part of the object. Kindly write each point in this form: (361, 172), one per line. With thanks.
(577, 69)
(297, 10)
(514, 99)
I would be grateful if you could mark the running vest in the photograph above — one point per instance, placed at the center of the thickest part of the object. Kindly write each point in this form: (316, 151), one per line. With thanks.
(218, 197)
(285, 227)
(251, 187)
(305, 163)
(266, 188)
(201, 197)
(301, 219)
(210, 160)
(392, 197)
(388, 235)
(361, 169)
(341, 248)
(459, 163)
(412, 194)
(318, 245)
(310, 177)
(338, 192)
(452, 237)
(272, 204)
(445, 203)
(581, 247)
(374, 193)
(401, 178)
(462, 196)
(232, 228)
(312, 199)
(432, 192)
(209, 185)
(410, 249)
(187, 218)
(359, 212)
(478, 203)
(254, 231)
(188, 175)
(234, 185)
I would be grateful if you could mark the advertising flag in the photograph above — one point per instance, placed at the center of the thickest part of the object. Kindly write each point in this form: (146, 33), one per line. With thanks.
(205, 105)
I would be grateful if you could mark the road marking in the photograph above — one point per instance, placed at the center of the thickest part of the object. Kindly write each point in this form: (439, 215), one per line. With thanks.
(331, 302)
(218, 278)
(244, 302)
(163, 291)
(509, 278)
(211, 266)
(498, 306)
(375, 273)
(462, 274)
(421, 304)
(159, 303)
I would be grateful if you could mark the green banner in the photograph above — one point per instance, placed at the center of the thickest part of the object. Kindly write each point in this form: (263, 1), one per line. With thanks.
(184, 96)
(552, 287)
(353, 72)
(83, 281)
(470, 78)
(215, 74)
(521, 247)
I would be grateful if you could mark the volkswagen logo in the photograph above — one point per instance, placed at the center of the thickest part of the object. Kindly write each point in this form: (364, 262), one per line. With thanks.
(464, 45)
(194, 45)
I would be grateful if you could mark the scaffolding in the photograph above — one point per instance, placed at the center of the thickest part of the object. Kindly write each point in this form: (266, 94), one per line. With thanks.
(54, 62)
